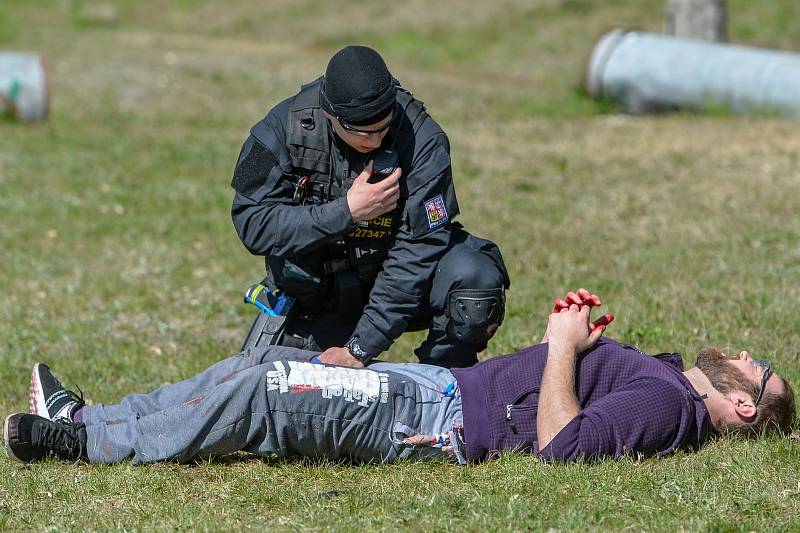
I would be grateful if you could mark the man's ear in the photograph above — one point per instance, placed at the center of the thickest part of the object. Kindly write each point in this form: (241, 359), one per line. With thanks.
(743, 404)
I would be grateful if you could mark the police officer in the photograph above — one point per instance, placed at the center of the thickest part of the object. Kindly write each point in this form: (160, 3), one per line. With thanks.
(346, 189)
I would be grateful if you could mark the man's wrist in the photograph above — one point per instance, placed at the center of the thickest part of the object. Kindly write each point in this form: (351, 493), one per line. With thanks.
(561, 350)
(355, 349)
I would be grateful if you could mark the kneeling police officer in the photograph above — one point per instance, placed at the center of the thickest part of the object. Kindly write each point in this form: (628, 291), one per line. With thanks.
(346, 189)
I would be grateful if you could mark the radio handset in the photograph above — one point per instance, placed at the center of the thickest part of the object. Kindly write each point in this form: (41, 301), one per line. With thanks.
(385, 160)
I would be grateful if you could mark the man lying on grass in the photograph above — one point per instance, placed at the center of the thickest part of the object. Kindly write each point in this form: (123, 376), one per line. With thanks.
(575, 395)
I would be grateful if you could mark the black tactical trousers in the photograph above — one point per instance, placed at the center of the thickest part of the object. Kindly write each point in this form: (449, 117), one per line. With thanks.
(470, 263)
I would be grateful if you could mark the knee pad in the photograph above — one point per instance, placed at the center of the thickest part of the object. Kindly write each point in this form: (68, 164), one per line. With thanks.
(473, 315)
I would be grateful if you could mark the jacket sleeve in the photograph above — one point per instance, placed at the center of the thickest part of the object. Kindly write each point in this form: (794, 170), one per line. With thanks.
(421, 239)
(644, 418)
(265, 215)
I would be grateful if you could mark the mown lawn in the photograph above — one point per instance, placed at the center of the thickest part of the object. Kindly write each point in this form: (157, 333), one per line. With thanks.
(120, 268)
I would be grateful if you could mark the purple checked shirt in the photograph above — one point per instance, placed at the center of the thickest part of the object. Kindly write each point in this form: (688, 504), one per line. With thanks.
(630, 403)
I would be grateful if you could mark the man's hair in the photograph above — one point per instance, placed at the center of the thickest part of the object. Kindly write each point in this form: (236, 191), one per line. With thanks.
(775, 413)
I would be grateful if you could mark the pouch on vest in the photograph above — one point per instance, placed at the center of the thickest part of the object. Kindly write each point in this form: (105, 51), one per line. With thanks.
(308, 290)
(347, 288)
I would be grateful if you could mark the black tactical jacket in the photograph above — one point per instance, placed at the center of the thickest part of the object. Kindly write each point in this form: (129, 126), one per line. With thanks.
(311, 225)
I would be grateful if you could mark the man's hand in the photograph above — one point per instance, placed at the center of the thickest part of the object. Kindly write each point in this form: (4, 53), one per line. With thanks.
(339, 356)
(369, 200)
(568, 329)
(581, 297)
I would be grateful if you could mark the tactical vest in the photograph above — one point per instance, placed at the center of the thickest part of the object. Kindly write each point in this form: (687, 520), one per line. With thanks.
(361, 251)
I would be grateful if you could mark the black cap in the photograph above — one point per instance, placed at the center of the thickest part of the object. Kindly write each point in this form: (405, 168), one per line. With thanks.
(358, 87)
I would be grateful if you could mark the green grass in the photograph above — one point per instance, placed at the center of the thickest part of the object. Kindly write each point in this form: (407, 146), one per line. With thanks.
(120, 266)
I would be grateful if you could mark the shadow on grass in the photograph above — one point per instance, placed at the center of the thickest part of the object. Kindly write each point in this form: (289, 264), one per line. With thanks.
(237, 458)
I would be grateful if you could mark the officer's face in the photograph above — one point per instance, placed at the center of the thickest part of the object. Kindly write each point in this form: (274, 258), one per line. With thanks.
(364, 139)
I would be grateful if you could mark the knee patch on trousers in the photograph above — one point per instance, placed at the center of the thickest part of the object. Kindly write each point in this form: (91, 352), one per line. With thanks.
(473, 315)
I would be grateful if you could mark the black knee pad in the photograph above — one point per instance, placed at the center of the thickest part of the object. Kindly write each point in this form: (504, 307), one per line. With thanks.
(473, 315)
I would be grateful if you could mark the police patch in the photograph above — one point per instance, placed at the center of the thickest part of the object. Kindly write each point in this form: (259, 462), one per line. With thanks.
(436, 211)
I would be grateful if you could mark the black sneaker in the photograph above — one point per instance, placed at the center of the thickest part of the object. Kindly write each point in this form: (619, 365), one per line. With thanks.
(32, 438)
(48, 398)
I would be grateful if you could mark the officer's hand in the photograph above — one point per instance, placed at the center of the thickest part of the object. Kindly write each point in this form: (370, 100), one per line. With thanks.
(340, 356)
(369, 200)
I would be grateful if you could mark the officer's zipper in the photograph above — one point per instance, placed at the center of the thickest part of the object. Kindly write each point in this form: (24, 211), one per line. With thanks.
(510, 407)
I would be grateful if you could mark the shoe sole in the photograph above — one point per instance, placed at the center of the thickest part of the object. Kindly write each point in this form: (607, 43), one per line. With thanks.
(9, 451)
(35, 394)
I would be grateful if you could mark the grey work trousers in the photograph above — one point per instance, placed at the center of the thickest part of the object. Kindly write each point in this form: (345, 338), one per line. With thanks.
(274, 401)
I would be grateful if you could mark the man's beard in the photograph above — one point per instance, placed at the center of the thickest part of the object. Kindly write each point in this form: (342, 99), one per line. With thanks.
(722, 374)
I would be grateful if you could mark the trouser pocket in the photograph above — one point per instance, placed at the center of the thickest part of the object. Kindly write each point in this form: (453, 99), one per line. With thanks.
(424, 425)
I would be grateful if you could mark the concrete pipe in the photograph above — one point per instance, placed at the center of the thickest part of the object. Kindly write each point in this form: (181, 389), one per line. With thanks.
(23, 86)
(649, 72)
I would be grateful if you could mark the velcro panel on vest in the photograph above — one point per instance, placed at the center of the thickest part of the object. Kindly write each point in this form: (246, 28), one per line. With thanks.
(253, 169)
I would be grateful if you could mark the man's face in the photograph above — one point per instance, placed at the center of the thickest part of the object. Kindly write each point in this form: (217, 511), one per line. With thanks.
(363, 139)
(729, 373)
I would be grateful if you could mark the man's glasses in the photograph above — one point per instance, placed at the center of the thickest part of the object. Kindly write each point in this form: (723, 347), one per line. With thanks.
(763, 363)
(363, 133)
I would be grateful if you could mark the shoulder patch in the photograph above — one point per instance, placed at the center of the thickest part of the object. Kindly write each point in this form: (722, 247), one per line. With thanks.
(436, 211)
(253, 169)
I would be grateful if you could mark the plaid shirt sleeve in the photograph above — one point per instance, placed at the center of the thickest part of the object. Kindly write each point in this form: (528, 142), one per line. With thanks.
(644, 417)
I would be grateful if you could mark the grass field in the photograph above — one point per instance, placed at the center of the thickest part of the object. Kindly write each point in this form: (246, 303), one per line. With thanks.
(120, 266)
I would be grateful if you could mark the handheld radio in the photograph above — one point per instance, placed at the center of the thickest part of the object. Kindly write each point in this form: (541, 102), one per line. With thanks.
(385, 160)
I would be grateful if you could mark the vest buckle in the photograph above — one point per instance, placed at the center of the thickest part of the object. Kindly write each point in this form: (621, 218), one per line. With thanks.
(307, 123)
(301, 190)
